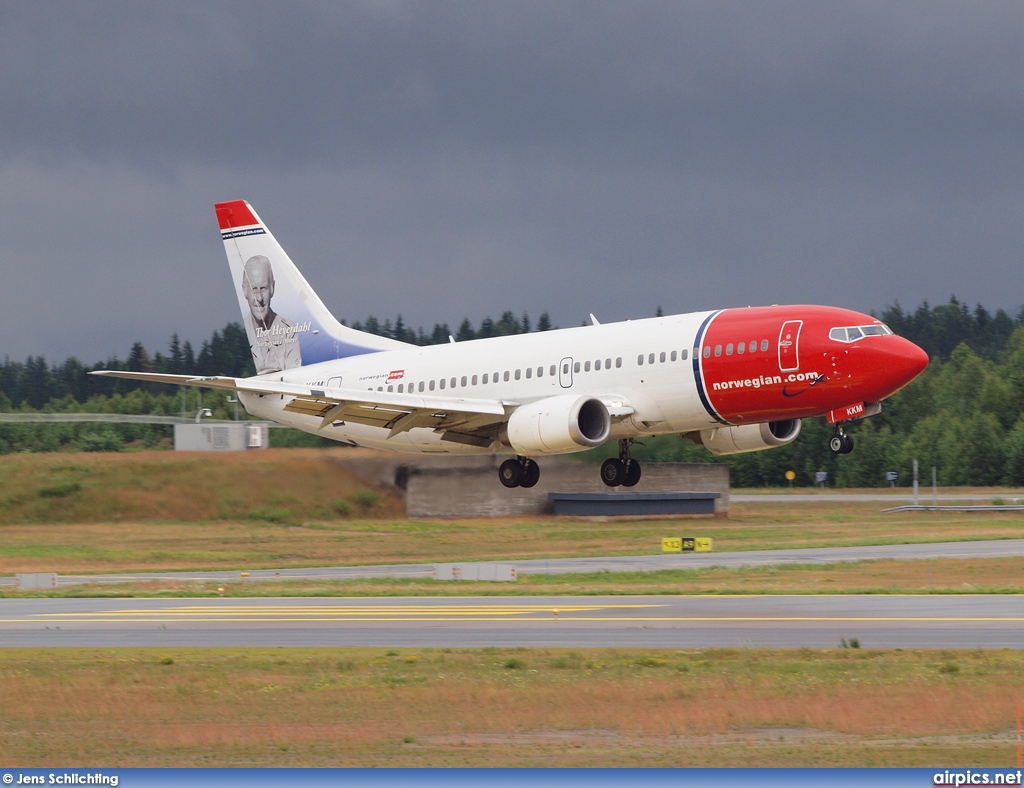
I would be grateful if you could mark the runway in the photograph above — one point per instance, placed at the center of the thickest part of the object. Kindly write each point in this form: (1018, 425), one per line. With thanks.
(982, 621)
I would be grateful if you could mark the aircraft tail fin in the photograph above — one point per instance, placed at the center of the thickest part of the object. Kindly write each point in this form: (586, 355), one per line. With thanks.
(286, 322)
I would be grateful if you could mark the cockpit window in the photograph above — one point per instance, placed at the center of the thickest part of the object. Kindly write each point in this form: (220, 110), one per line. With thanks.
(852, 333)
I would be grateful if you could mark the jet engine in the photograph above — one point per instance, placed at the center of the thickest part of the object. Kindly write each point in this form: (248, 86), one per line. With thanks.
(750, 437)
(557, 425)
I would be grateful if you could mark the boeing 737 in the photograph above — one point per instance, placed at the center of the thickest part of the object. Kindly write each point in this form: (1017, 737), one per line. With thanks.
(733, 380)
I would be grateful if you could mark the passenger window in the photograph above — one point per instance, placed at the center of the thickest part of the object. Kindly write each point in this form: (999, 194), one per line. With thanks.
(529, 372)
(576, 367)
(597, 365)
(661, 358)
(728, 349)
(640, 360)
(442, 384)
(485, 378)
(707, 351)
(506, 375)
(540, 372)
(741, 348)
(401, 388)
(673, 356)
(764, 345)
(607, 363)
(474, 380)
(451, 383)
(517, 374)
(552, 370)
(391, 388)
(618, 362)
(718, 350)
(431, 385)
(650, 358)
(586, 367)
(380, 388)
(464, 381)
(565, 369)
(421, 385)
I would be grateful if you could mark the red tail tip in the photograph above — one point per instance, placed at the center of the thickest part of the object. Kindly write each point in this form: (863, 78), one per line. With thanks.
(236, 213)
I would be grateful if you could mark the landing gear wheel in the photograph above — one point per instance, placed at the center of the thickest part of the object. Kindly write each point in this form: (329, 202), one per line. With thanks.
(841, 443)
(531, 474)
(510, 473)
(632, 474)
(613, 472)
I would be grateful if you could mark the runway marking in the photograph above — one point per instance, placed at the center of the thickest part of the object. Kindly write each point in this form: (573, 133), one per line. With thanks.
(448, 613)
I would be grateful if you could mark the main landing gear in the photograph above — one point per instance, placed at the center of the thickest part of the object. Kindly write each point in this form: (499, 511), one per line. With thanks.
(840, 442)
(520, 472)
(622, 470)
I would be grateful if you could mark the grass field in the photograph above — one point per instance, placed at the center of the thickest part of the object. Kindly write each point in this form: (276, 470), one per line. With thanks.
(473, 707)
(148, 511)
(490, 707)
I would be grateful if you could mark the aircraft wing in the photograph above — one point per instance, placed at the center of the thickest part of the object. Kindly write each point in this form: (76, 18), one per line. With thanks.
(475, 422)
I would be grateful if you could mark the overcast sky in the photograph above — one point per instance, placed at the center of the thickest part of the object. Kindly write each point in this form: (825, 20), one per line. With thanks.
(457, 159)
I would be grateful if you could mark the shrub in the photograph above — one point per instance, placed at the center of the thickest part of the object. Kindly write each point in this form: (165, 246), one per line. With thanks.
(59, 490)
(514, 663)
(104, 440)
(365, 498)
(270, 515)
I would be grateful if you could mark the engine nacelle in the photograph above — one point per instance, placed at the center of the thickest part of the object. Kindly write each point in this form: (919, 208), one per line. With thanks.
(557, 425)
(750, 437)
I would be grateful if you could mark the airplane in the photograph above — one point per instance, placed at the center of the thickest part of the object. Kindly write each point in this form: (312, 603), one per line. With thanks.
(734, 380)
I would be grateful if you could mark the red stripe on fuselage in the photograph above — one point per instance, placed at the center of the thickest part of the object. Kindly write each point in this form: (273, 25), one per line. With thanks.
(808, 377)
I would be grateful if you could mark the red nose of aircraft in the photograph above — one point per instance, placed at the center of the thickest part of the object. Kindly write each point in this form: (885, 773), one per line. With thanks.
(903, 361)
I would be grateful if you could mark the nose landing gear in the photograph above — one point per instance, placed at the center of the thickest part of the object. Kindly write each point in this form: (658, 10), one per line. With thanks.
(622, 470)
(840, 442)
(520, 472)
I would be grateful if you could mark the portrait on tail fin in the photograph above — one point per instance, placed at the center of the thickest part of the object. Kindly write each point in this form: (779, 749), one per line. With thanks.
(273, 338)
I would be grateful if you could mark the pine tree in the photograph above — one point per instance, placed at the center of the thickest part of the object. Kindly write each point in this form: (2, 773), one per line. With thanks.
(465, 331)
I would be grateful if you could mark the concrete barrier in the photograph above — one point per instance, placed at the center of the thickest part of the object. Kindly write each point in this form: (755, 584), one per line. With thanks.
(468, 486)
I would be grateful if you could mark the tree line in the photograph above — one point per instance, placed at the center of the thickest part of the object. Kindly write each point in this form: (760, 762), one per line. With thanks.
(963, 415)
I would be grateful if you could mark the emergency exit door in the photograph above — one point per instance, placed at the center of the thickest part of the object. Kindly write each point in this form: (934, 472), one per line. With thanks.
(789, 346)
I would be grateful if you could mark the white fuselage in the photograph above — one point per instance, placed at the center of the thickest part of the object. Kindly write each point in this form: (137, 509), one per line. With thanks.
(598, 360)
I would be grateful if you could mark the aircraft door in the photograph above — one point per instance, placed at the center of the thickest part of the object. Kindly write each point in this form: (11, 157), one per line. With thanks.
(565, 373)
(789, 346)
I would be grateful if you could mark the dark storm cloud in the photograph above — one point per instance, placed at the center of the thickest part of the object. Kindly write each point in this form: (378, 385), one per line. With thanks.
(451, 159)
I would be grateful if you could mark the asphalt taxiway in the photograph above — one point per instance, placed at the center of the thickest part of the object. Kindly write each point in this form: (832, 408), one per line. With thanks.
(927, 621)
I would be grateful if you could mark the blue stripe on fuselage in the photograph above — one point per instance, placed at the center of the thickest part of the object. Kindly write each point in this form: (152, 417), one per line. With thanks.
(697, 361)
